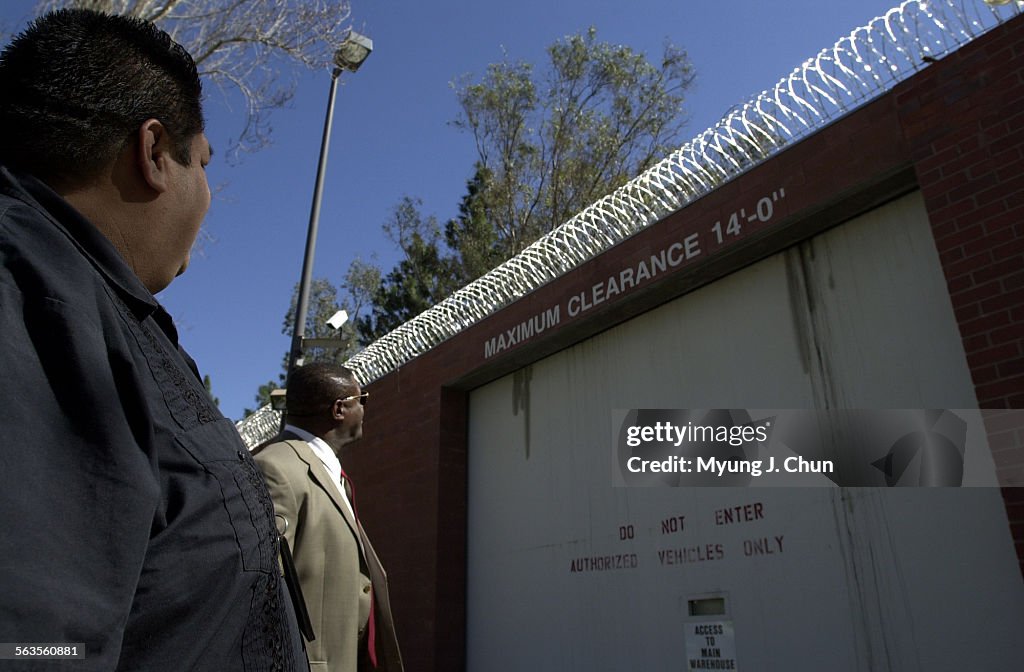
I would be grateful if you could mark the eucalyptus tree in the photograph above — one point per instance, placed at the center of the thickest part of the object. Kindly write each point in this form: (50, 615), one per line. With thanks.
(549, 141)
(553, 142)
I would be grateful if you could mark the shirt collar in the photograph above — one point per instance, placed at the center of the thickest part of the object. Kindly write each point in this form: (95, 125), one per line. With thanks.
(320, 448)
(87, 238)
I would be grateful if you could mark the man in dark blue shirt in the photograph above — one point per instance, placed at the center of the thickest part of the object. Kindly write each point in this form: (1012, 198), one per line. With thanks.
(134, 520)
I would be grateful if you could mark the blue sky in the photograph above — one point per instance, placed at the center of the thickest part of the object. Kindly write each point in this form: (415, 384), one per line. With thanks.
(392, 138)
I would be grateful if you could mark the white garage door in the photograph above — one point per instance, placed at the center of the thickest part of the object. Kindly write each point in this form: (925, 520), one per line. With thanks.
(568, 573)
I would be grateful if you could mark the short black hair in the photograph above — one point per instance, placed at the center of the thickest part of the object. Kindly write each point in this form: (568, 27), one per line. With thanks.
(313, 388)
(76, 85)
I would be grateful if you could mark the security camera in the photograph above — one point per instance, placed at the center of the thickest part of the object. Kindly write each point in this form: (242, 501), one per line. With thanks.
(338, 319)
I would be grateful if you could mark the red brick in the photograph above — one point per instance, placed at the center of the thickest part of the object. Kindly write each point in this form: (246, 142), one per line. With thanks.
(972, 160)
(1003, 300)
(948, 184)
(1010, 170)
(1004, 154)
(1011, 249)
(972, 265)
(1009, 334)
(1014, 139)
(959, 138)
(1008, 458)
(986, 374)
(997, 192)
(1014, 367)
(970, 141)
(1011, 93)
(1013, 496)
(1002, 421)
(977, 294)
(999, 390)
(941, 228)
(962, 236)
(919, 147)
(975, 343)
(930, 177)
(1008, 220)
(996, 270)
(993, 133)
(1014, 119)
(1010, 478)
(1010, 97)
(1015, 202)
(935, 165)
(989, 241)
(991, 356)
(936, 199)
(964, 193)
(951, 255)
(959, 283)
(941, 215)
(1003, 441)
(967, 311)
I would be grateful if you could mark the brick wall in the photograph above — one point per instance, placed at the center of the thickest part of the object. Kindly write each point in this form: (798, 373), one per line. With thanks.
(963, 120)
(956, 130)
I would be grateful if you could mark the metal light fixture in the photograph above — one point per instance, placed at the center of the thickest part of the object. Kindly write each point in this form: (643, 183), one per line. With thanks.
(353, 51)
(279, 399)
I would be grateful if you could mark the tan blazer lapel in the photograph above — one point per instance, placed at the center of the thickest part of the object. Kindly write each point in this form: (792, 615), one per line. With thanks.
(318, 474)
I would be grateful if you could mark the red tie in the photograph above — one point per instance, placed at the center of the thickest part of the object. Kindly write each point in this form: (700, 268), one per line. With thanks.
(371, 635)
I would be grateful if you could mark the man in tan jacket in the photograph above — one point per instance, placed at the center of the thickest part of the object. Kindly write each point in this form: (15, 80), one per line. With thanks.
(343, 583)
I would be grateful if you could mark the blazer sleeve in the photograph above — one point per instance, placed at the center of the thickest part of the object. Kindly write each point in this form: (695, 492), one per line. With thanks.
(286, 501)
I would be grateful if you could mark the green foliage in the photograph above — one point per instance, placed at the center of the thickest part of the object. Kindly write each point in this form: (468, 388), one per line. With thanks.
(600, 115)
(472, 234)
(208, 384)
(263, 396)
(432, 267)
(425, 275)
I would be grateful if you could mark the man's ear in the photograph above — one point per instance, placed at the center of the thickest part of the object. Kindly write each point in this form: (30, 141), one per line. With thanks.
(153, 154)
(338, 409)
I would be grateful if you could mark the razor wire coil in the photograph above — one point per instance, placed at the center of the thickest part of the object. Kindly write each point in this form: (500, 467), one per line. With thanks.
(858, 68)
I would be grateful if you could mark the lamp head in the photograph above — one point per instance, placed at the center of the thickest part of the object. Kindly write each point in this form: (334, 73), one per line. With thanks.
(354, 49)
(279, 399)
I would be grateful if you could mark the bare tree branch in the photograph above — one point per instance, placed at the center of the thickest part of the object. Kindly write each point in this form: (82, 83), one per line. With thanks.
(243, 47)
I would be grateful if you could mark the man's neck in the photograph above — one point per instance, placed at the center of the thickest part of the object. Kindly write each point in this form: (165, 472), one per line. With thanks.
(325, 436)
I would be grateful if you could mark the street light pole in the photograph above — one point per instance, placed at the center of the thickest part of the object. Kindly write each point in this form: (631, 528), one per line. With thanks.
(302, 307)
(350, 55)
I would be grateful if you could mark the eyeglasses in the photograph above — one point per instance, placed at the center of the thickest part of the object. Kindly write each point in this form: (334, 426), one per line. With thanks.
(361, 397)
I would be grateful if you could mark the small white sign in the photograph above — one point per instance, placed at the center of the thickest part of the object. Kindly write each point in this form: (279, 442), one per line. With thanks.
(710, 645)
